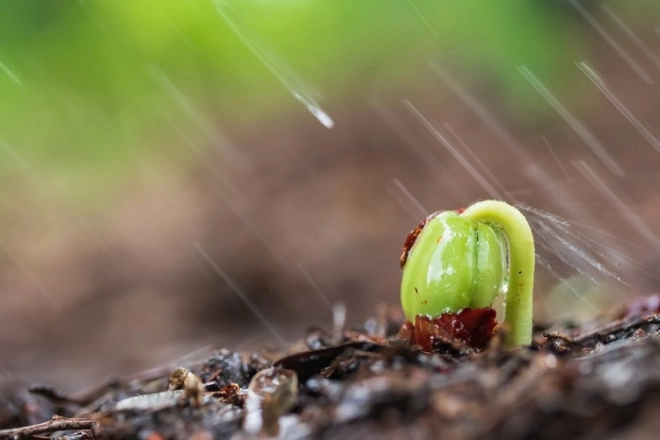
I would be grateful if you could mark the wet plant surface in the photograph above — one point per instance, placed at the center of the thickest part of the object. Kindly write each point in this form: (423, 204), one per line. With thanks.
(599, 380)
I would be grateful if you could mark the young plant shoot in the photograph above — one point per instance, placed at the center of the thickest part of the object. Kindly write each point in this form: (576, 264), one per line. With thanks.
(459, 261)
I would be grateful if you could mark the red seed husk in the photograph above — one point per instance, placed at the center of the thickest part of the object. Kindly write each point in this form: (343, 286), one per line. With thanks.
(472, 327)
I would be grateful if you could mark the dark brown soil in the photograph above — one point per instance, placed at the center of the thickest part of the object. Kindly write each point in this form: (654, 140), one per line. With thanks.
(601, 380)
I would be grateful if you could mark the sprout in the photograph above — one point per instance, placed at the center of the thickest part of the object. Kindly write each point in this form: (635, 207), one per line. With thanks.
(464, 259)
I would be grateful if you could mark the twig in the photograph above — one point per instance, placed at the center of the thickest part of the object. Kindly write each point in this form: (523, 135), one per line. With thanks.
(606, 330)
(56, 423)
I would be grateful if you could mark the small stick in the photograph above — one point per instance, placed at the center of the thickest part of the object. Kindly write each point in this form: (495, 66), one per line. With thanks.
(56, 423)
(607, 329)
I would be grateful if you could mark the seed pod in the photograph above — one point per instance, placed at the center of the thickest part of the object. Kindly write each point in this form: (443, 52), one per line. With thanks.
(454, 263)
(466, 259)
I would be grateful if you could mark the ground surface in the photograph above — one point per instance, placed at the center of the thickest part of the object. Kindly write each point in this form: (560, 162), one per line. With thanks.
(601, 380)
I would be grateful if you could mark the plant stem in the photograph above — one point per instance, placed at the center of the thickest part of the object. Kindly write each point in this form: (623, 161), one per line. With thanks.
(519, 295)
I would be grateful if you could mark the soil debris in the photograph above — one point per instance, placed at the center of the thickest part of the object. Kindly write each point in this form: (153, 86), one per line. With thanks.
(573, 382)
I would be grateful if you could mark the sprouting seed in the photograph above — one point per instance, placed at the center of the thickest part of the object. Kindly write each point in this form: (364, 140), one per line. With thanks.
(455, 260)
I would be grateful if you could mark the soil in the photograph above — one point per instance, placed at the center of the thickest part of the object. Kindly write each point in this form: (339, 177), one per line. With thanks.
(600, 380)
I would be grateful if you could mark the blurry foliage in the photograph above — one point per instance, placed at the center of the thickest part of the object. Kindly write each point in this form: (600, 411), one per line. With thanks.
(102, 86)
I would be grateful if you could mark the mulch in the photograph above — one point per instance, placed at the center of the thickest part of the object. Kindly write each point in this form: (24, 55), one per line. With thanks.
(600, 380)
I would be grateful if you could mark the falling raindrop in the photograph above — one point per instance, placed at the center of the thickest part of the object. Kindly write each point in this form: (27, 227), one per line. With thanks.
(277, 67)
(611, 41)
(9, 73)
(600, 83)
(587, 136)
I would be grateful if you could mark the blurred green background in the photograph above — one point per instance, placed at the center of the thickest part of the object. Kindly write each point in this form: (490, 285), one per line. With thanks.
(88, 87)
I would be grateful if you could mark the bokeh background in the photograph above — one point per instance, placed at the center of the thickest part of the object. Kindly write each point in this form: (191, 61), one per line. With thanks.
(161, 161)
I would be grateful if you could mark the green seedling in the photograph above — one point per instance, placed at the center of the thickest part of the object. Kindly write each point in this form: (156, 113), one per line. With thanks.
(466, 259)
